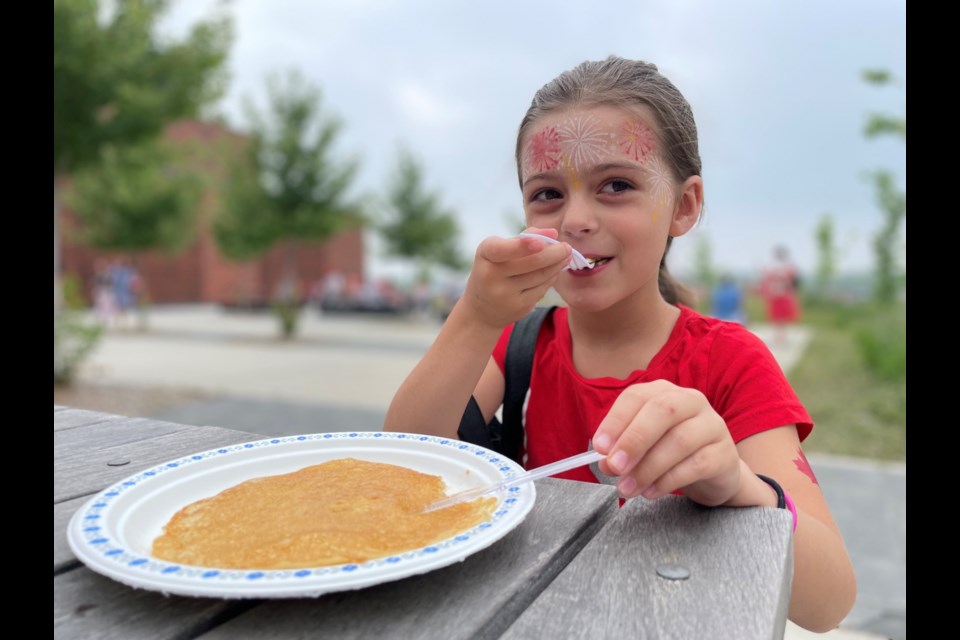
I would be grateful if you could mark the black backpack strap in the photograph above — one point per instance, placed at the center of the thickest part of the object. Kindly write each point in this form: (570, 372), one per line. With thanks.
(508, 437)
(517, 367)
(475, 430)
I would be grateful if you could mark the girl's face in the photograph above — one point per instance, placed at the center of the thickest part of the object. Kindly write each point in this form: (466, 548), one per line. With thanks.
(597, 175)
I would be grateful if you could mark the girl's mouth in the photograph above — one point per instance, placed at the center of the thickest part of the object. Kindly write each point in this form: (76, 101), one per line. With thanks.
(596, 262)
(599, 264)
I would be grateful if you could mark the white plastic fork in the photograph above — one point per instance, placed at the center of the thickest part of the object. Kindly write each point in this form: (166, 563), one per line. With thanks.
(579, 460)
(577, 260)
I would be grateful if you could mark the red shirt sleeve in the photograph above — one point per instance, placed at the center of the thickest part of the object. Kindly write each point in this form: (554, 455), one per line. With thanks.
(750, 389)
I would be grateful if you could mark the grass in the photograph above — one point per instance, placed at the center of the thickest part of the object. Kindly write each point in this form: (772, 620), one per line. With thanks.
(858, 406)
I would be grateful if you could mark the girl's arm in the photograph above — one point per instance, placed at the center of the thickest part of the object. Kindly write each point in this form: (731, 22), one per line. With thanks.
(509, 276)
(433, 397)
(660, 438)
(824, 584)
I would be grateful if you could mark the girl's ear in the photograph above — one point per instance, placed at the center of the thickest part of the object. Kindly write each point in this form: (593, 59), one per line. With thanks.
(689, 206)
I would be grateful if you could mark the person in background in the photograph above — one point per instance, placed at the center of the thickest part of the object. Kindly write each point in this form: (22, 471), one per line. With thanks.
(124, 280)
(726, 301)
(608, 164)
(104, 301)
(779, 287)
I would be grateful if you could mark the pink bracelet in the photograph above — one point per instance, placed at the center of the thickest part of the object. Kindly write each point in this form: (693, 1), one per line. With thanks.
(783, 500)
(793, 508)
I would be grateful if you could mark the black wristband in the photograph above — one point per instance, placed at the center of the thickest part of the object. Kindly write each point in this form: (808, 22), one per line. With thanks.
(781, 500)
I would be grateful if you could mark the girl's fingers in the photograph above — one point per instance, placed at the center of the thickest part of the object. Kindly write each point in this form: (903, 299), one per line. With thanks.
(510, 275)
(677, 444)
(503, 250)
(538, 278)
(638, 420)
(660, 437)
(705, 463)
(619, 417)
(550, 233)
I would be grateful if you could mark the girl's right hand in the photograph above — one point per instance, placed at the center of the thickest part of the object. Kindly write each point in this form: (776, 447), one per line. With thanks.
(510, 275)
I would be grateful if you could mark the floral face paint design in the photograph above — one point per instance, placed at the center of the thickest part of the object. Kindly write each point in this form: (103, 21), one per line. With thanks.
(581, 141)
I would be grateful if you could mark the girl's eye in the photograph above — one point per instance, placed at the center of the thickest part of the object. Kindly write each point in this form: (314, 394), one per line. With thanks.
(546, 194)
(616, 186)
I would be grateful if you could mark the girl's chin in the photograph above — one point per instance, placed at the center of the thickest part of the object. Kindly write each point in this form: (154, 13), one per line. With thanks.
(585, 301)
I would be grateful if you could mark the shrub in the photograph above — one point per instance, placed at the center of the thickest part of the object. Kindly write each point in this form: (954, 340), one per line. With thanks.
(73, 339)
(288, 313)
(881, 339)
(73, 297)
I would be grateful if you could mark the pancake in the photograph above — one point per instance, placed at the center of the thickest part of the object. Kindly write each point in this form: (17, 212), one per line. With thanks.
(338, 512)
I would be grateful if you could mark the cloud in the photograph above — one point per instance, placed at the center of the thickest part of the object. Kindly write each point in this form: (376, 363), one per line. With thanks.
(424, 107)
(775, 89)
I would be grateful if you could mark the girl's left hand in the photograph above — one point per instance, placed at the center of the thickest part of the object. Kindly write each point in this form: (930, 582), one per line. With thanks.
(660, 437)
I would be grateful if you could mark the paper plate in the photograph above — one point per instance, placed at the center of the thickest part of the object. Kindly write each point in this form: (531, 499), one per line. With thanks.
(114, 531)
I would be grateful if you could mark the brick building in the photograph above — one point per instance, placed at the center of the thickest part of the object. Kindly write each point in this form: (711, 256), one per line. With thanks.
(200, 273)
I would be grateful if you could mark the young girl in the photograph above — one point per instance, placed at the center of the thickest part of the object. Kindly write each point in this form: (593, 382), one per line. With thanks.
(608, 164)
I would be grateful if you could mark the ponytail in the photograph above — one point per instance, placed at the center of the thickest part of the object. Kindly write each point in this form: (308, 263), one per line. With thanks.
(670, 288)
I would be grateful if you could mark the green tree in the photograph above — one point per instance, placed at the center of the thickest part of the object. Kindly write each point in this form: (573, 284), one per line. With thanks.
(288, 187)
(419, 228)
(136, 199)
(893, 204)
(703, 268)
(826, 255)
(891, 200)
(118, 83)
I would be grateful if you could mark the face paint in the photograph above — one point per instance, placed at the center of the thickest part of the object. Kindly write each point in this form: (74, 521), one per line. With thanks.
(575, 144)
(659, 181)
(637, 140)
(543, 151)
(583, 142)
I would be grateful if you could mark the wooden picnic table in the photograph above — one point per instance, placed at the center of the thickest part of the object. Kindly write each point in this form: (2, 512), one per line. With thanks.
(578, 566)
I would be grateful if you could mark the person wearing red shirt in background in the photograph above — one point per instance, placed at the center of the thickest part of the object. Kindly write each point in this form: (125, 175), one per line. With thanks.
(779, 288)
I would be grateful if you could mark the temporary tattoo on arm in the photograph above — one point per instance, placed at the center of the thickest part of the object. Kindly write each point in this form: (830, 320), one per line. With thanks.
(804, 466)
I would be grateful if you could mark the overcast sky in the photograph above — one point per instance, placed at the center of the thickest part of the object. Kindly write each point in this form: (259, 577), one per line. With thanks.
(775, 88)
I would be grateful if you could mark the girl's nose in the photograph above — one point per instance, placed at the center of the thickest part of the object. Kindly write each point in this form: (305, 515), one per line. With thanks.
(578, 219)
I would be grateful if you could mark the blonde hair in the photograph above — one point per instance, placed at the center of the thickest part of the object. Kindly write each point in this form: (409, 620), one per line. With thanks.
(620, 82)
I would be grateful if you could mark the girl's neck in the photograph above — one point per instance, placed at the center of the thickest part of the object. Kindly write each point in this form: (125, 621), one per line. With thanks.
(621, 339)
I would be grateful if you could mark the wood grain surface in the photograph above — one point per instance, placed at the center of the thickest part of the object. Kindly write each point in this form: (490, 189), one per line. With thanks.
(577, 567)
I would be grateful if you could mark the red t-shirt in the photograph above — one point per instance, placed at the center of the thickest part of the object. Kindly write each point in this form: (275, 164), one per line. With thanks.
(730, 365)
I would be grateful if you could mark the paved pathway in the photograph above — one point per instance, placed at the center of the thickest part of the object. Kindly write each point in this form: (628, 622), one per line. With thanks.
(341, 373)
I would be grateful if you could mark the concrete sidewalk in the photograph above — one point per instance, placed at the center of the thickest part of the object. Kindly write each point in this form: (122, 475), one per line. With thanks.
(342, 371)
